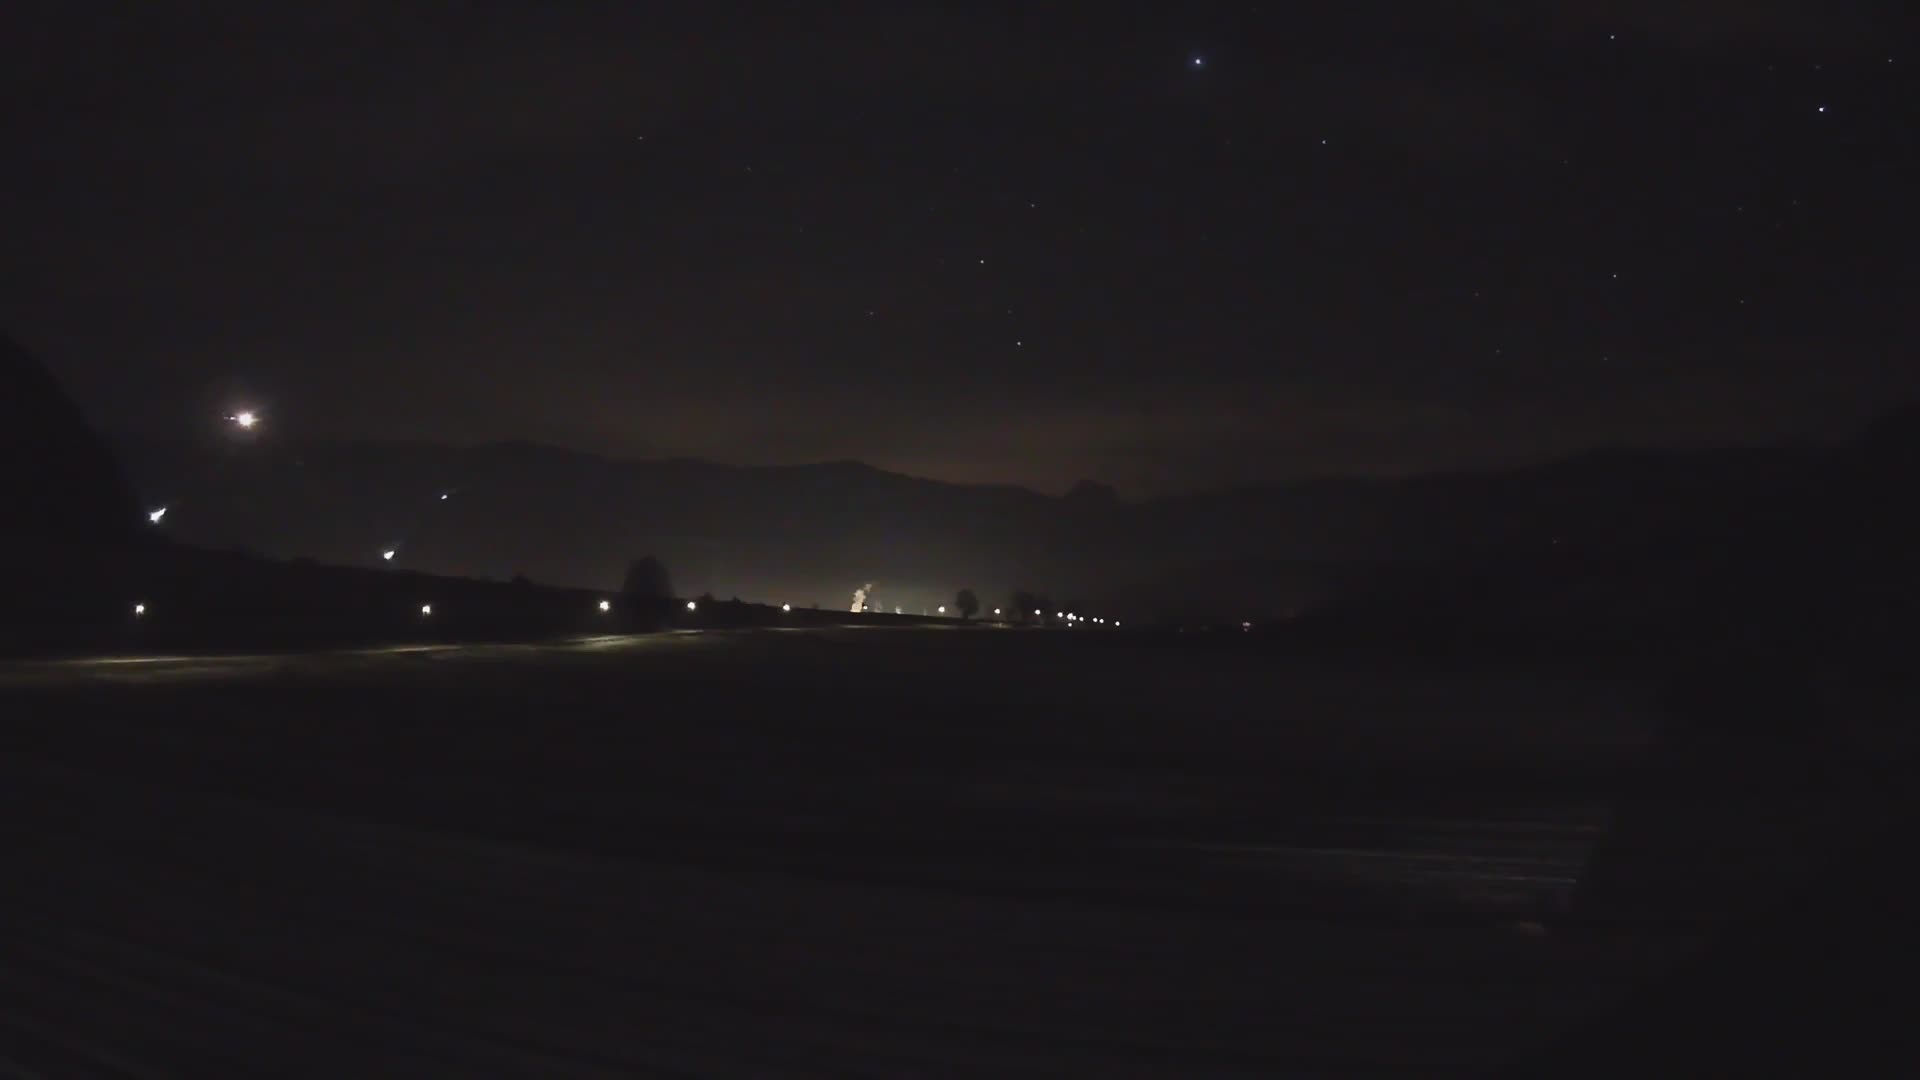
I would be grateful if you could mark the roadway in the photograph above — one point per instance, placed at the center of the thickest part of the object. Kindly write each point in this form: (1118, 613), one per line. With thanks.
(787, 853)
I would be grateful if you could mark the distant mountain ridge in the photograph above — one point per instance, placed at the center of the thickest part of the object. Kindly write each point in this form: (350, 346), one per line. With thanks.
(811, 533)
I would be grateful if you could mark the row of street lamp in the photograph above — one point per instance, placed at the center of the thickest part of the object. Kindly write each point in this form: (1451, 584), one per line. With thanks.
(1071, 619)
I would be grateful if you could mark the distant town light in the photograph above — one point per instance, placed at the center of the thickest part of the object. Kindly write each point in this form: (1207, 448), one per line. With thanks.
(139, 610)
(786, 607)
(606, 605)
(691, 606)
(426, 609)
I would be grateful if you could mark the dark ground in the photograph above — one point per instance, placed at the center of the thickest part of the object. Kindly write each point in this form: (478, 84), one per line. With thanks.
(816, 852)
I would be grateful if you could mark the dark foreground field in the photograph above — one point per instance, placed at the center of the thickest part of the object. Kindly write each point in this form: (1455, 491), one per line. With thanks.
(822, 852)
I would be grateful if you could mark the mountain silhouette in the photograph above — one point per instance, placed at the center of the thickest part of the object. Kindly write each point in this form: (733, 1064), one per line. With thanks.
(61, 484)
(812, 533)
(71, 520)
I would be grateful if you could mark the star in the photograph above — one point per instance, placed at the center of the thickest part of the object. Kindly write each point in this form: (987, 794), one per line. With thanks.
(1199, 61)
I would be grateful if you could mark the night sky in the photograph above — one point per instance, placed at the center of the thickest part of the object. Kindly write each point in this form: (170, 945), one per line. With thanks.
(1166, 246)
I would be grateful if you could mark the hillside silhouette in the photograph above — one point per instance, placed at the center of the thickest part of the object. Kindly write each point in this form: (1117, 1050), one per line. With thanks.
(810, 533)
(61, 482)
(71, 518)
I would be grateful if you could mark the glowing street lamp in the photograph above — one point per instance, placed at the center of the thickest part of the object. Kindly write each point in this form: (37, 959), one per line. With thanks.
(246, 418)
(996, 613)
(426, 610)
(388, 554)
(606, 605)
(942, 609)
(691, 606)
(139, 610)
(156, 514)
(786, 607)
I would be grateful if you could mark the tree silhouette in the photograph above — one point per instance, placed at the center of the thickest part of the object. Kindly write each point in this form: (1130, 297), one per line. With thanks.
(1023, 605)
(647, 580)
(967, 603)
